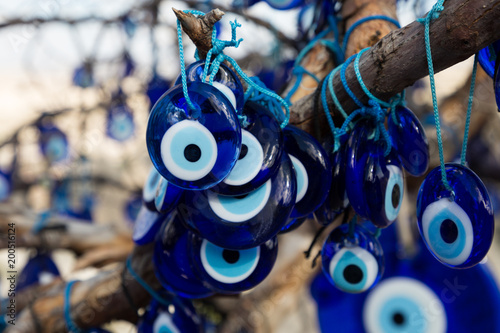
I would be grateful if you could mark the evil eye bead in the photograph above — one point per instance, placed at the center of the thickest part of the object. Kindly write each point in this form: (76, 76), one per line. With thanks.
(53, 143)
(173, 265)
(232, 271)
(194, 149)
(156, 88)
(39, 270)
(284, 4)
(146, 226)
(496, 82)
(226, 81)
(352, 262)
(457, 228)
(486, 56)
(312, 170)
(5, 186)
(402, 304)
(261, 148)
(409, 139)
(292, 224)
(120, 123)
(167, 196)
(246, 221)
(179, 316)
(150, 187)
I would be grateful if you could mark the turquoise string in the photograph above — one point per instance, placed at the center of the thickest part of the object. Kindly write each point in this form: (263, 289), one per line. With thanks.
(344, 81)
(363, 20)
(145, 285)
(333, 94)
(41, 222)
(434, 14)
(67, 309)
(334, 130)
(362, 84)
(469, 109)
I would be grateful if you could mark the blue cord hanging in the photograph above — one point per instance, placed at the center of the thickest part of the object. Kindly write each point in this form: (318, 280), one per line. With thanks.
(363, 20)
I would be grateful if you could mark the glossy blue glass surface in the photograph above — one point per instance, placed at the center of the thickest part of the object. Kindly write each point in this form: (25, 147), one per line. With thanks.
(470, 297)
(261, 148)
(167, 196)
(352, 262)
(72, 198)
(409, 140)
(496, 82)
(312, 169)
(458, 231)
(132, 208)
(150, 187)
(232, 271)
(337, 200)
(120, 122)
(292, 224)
(285, 4)
(146, 226)
(83, 76)
(193, 149)
(246, 221)
(40, 269)
(225, 76)
(173, 265)
(178, 317)
(5, 185)
(486, 57)
(374, 182)
(53, 143)
(157, 86)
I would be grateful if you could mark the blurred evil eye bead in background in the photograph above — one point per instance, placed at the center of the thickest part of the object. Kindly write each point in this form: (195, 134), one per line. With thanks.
(260, 153)
(5, 185)
(157, 86)
(374, 182)
(245, 221)
(39, 270)
(53, 142)
(120, 124)
(232, 271)
(173, 265)
(146, 225)
(456, 227)
(225, 80)
(177, 317)
(352, 258)
(409, 140)
(194, 148)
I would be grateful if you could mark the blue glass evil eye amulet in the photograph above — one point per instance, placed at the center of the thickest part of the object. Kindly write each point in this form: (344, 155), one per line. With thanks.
(120, 122)
(374, 182)
(353, 261)
(261, 148)
(232, 271)
(225, 80)
(178, 317)
(409, 139)
(53, 143)
(194, 149)
(146, 225)
(39, 270)
(457, 228)
(246, 221)
(487, 56)
(173, 265)
(312, 170)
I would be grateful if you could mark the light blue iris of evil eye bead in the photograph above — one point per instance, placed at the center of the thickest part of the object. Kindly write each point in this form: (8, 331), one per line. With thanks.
(225, 80)
(457, 229)
(374, 182)
(242, 222)
(193, 149)
(178, 317)
(261, 149)
(120, 122)
(409, 140)
(53, 143)
(312, 170)
(352, 263)
(173, 266)
(232, 271)
(146, 225)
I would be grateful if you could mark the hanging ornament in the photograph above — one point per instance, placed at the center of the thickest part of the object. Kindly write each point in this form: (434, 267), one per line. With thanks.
(292, 224)
(167, 196)
(232, 271)
(194, 149)
(457, 227)
(487, 57)
(5, 185)
(409, 140)
(285, 4)
(120, 121)
(132, 207)
(225, 80)
(260, 153)
(39, 270)
(150, 188)
(83, 76)
(312, 170)
(146, 225)
(73, 198)
(157, 86)
(246, 221)
(178, 317)
(352, 258)
(173, 266)
(496, 82)
(53, 143)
